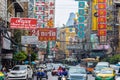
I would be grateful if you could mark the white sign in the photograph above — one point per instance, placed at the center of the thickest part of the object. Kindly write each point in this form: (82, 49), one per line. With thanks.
(29, 39)
(42, 44)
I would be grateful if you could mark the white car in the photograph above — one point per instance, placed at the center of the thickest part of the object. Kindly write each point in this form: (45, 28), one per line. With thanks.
(20, 72)
(77, 73)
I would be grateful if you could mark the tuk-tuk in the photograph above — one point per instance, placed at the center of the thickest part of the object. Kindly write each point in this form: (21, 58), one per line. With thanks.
(89, 64)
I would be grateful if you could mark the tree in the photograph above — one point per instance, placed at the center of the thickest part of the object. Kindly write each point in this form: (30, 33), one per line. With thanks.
(20, 56)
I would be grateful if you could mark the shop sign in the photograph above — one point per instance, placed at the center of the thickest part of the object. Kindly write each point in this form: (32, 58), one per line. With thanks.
(23, 23)
(45, 34)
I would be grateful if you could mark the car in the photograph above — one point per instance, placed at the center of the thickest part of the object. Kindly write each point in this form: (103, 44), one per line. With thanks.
(105, 64)
(99, 66)
(106, 74)
(96, 70)
(76, 73)
(115, 67)
(20, 72)
(49, 66)
(2, 76)
(117, 78)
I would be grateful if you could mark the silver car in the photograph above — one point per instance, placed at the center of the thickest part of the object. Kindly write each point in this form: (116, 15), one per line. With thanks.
(77, 73)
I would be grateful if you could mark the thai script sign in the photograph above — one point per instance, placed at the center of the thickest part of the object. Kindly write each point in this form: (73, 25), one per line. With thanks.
(45, 34)
(23, 23)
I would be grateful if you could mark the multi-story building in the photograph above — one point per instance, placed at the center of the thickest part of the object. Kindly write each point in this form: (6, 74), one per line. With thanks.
(8, 9)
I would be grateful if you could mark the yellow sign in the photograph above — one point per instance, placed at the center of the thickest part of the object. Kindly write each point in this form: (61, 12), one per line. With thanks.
(50, 23)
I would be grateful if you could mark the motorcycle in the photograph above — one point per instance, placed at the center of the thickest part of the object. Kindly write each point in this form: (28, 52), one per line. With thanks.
(41, 74)
(62, 75)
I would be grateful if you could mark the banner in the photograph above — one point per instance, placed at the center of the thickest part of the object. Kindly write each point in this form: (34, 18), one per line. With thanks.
(23, 23)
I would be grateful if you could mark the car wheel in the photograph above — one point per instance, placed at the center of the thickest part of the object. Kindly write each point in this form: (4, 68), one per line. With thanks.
(47, 77)
(27, 78)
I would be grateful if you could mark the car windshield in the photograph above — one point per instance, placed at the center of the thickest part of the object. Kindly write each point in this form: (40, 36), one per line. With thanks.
(19, 68)
(77, 70)
(106, 71)
(99, 67)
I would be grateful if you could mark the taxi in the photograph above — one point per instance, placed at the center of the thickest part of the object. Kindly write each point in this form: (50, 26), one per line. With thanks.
(106, 74)
(2, 76)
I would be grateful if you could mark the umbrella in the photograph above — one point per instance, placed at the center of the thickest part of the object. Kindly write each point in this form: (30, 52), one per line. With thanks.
(26, 62)
(33, 62)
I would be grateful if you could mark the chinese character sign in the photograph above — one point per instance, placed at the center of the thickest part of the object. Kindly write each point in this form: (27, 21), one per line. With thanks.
(102, 19)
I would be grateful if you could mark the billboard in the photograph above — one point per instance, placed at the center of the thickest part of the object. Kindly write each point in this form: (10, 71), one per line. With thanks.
(23, 23)
(45, 34)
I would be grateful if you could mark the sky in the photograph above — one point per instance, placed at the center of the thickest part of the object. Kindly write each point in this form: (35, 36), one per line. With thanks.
(62, 10)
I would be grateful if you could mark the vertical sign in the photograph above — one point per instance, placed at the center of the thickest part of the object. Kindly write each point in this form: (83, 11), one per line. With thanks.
(81, 19)
(44, 12)
(102, 20)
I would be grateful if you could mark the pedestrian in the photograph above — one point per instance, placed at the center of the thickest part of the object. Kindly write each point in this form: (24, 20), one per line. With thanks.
(4, 70)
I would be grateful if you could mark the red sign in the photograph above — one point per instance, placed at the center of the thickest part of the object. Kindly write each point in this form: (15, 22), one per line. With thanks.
(102, 32)
(45, 34)
(102, 20)
(102, 26)
(23, 23)
(102, 12)
(101, 5)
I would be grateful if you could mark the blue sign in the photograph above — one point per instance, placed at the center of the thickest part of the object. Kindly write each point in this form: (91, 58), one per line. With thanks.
(81, 34)
(81, 12)
(81, 19)
(81, 27)
(81, 4)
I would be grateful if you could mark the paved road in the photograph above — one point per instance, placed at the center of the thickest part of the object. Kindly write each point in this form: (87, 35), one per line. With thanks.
(50, 77)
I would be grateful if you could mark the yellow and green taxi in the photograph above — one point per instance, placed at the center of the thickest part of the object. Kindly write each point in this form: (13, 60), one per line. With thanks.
(2, 76)
(106, 74)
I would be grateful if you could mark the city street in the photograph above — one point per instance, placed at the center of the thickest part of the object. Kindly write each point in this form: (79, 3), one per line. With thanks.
(50, 77)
